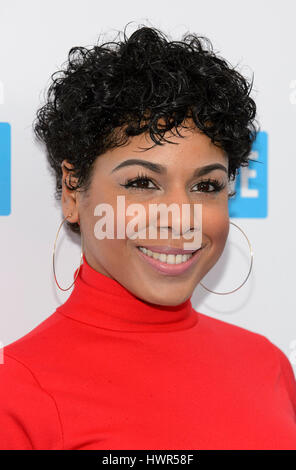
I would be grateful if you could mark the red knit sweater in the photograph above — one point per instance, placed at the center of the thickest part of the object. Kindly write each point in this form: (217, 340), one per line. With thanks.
(109, 371)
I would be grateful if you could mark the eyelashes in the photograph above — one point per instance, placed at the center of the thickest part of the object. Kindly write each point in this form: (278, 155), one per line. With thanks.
(145, 181)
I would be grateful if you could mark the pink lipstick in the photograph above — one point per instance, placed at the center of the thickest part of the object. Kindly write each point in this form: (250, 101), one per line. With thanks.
(170, 269)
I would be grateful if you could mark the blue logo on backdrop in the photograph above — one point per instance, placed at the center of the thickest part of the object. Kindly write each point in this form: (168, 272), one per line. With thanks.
(251, 183)
(5, 193)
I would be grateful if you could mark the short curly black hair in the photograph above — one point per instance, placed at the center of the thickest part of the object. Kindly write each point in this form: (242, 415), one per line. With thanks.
(110, 92)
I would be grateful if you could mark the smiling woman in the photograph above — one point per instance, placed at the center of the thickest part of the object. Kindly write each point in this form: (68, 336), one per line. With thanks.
(114, 175)
(127, 362)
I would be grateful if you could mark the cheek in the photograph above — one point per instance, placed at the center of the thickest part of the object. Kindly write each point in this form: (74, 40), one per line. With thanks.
(216, 228)
(215, 232)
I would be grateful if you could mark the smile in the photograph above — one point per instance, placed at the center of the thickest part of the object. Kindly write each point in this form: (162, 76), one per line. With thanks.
(166, 258)
(170, 264)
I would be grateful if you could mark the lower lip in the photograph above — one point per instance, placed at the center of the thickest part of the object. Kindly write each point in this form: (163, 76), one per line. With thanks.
(171, 269)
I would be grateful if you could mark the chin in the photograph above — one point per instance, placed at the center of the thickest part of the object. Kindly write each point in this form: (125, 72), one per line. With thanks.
(170, 299)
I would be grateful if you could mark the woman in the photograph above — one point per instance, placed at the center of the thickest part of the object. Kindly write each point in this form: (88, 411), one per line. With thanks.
(126, 362)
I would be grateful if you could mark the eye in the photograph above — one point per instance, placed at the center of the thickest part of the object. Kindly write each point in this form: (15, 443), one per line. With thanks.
(142, 181)
(217, 185)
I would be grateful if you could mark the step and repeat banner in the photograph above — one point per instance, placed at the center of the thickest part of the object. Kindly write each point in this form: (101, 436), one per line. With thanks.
(35, 38)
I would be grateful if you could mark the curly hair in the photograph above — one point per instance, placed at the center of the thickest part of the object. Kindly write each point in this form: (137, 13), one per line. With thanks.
(110, 92)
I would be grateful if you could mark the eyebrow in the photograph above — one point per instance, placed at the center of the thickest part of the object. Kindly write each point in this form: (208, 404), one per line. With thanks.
(157, 168)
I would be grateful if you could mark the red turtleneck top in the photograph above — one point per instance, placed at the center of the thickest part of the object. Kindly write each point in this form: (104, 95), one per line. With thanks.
(107, 371)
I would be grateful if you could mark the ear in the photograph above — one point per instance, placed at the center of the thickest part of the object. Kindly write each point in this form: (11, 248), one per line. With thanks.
(69, 197)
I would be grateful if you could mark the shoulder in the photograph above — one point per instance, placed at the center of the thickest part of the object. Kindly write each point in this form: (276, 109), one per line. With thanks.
(217, 326)
(239, 341)
(29, 418)
(39, 341)
(18, 381)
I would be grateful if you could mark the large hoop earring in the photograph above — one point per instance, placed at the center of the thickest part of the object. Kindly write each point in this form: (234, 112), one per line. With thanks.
(53, 257)
(251, 264)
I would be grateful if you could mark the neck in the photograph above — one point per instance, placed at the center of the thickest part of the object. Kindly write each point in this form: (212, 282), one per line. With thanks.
(105, 303)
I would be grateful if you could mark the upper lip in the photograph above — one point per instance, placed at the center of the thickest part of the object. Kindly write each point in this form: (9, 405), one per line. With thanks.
(168, 249)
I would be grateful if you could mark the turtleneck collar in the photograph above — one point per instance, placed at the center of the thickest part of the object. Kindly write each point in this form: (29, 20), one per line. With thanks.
(103, 302)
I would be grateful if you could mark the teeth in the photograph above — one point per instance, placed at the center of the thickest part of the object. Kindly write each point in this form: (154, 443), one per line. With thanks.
(169, 259)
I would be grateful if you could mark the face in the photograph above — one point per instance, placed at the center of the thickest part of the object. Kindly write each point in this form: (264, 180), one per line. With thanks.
(174, 180)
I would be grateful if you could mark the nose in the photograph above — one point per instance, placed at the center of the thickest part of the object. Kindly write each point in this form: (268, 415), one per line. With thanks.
(177, 212)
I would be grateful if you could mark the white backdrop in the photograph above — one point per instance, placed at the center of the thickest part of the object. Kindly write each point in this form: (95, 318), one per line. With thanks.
(259, 36)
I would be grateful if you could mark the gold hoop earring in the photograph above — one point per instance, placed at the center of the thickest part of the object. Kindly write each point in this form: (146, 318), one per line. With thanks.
(251, 264)
(53, 257)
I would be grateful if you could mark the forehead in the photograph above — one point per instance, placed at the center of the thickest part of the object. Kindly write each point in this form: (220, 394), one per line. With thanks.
(185, 153)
